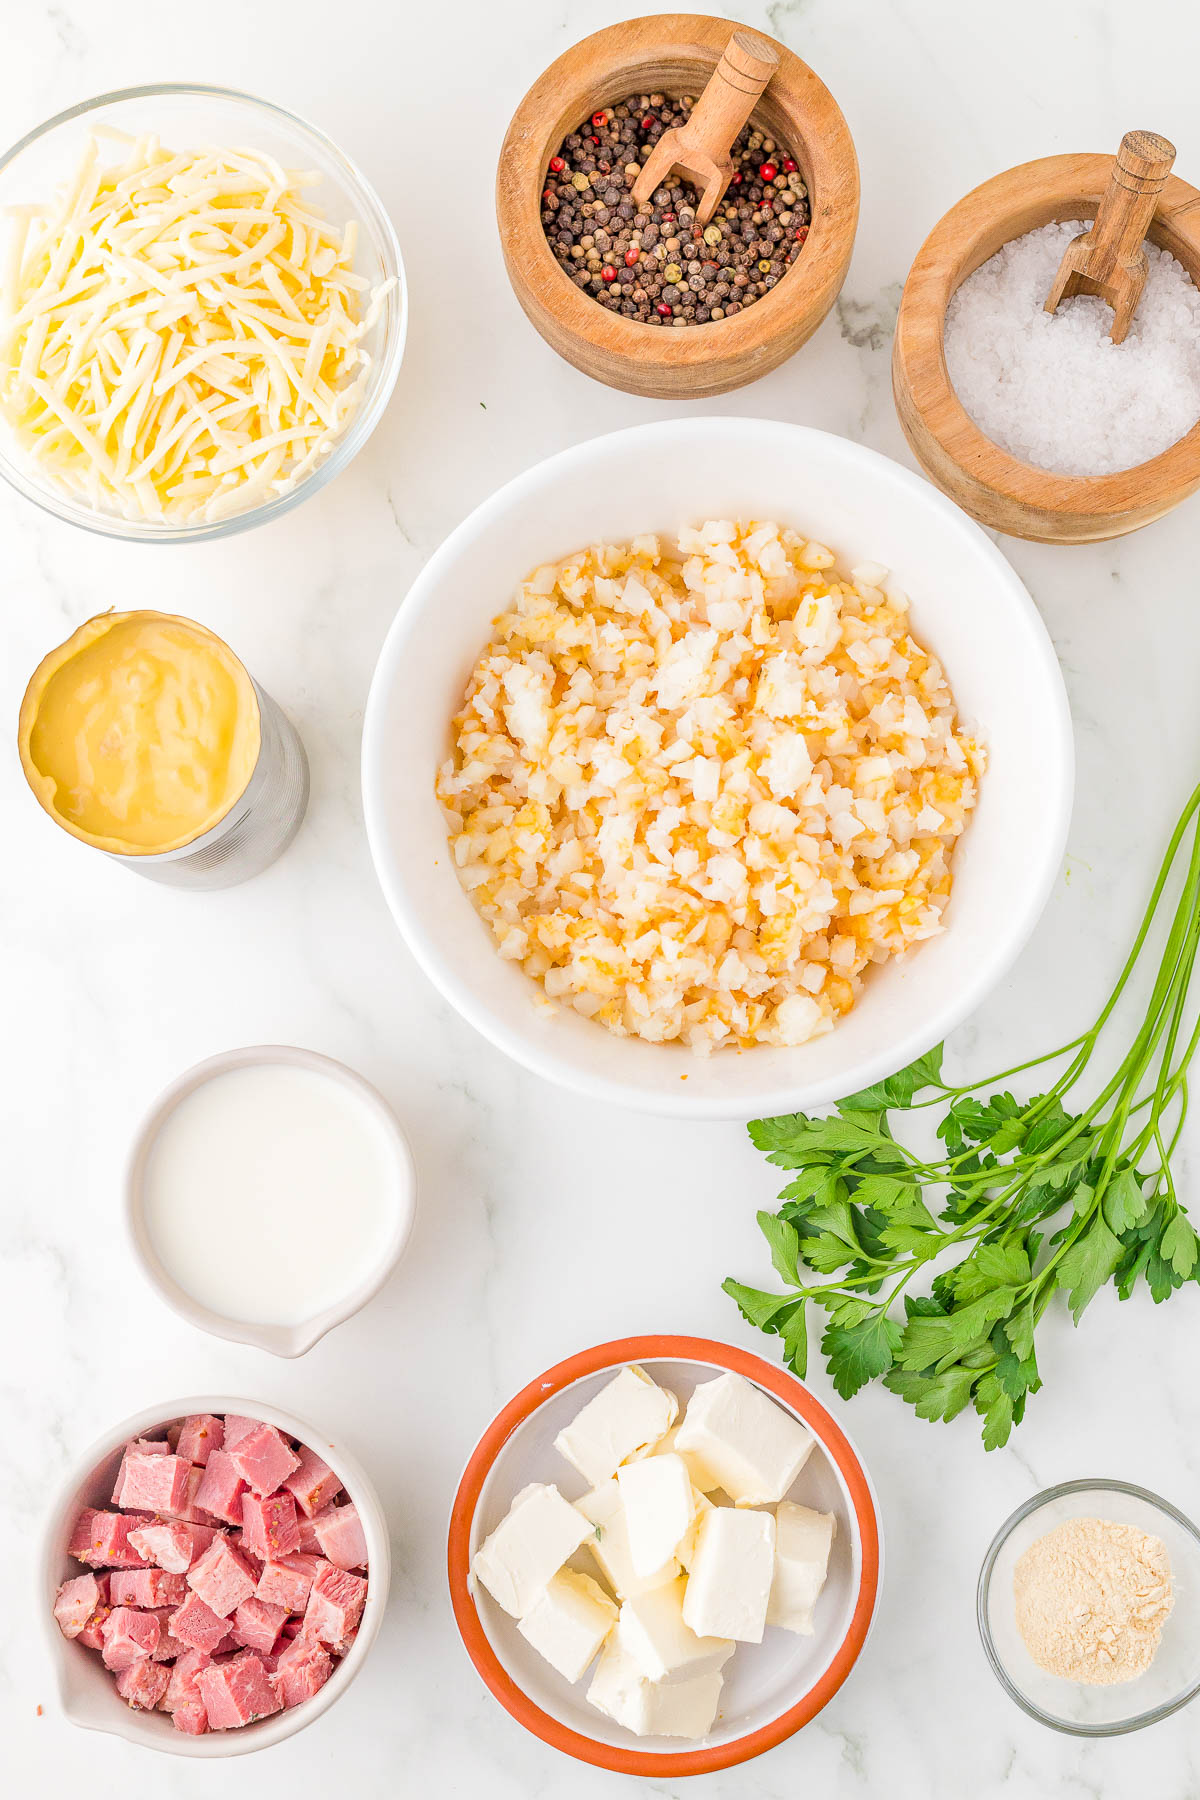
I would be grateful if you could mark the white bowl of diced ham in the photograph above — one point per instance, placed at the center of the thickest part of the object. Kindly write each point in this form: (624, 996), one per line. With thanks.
(214, 1576)
(665, 1556)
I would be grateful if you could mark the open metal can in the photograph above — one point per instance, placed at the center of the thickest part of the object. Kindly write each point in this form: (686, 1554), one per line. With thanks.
(124, 719)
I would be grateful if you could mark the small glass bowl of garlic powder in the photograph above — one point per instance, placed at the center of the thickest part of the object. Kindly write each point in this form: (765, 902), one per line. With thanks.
(1084, 1607)
(202, 313)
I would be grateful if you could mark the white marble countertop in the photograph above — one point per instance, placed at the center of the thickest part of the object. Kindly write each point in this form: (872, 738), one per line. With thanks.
(531, 1198)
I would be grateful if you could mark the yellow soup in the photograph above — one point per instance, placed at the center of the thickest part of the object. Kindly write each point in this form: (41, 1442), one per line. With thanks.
(140, 732)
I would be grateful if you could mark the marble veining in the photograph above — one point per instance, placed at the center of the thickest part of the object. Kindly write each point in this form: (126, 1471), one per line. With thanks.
(546, 1223)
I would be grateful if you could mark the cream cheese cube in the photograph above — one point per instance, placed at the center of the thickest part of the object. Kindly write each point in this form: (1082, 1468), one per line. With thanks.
(568, 1622)
(754, 1448)
(684, 1709)
(651, 1629)
(629, 1413)
(657, 1496)
(701, 1505)
(702, 1476)
(528, 1547)
(730, 1582)
(609, 1544)
(802, 1544)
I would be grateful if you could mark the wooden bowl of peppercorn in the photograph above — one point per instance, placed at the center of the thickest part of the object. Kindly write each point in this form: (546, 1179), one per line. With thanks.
(591, 269)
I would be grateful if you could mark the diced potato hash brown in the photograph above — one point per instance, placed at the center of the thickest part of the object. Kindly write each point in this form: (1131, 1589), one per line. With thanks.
(698, 789)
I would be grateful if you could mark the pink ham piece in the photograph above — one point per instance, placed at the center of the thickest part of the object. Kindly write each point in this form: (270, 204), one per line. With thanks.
(181, 1688)
(237, 1691)
(147, 1587)
(199, 1435)
(262, 1457)
(102, 1539)
(237, 1426)
(92, 1635)
(312, 1484)
(335, 1606)
(153, 1483)
(75, 1603)
(171, 1544)
(188, 1512)
(190, 1717)
(143, 1684)
(256, 1625)
(197, 1625)
(269, 1527)
(222, 1578)
(220, 1490)
(169, 1647)
(238, 1540)
(310, 1544)
(128, 1636)
(287, 1582)
(340, 1535)
(302, 1670)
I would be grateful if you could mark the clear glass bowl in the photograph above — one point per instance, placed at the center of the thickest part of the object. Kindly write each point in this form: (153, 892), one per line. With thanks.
(1172, 1679)
(187, 117)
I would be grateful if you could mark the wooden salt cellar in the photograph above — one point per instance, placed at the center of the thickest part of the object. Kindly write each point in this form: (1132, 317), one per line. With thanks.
(998, 489)
(676, 53)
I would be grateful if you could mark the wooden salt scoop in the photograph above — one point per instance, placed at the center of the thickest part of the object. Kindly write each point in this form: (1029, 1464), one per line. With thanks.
(1109, 259)
(700, 149)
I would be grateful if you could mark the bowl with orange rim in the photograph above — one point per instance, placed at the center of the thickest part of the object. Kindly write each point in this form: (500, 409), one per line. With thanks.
(772, 1689)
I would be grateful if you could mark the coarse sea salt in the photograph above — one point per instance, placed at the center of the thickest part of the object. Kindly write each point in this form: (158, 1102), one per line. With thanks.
(1052, 388)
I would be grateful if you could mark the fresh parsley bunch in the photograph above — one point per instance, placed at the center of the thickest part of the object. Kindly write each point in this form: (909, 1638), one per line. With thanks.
(1024, 1199)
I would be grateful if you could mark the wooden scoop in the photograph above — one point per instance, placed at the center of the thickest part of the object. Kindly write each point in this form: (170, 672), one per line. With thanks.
(1109, 260)
(700, 149)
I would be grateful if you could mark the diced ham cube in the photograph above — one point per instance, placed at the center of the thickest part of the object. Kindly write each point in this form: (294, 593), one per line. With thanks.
(128, 1636)
(287, 1582)
(237, 1426)
(269, 1525)
(75, 1602)
(147, 1587)
(237, 1691)
(197, 1625)
(335, 1606)
(181, 1688)
(143, 1683)
(310, 1544)
(199, 1435)
(227, 1645)
(340, 1535)
(172, 1545)
(238, 1539)
(190, 1717)
(302, 1671)
(313, 1484)
(138, 1447)
(187, 1511)
(151, 1482)
(222, 1577)
(169, 1647)
(220, 1490)
(102, 1539)
(262, 1458)
(256, 1625)
(92, 1635)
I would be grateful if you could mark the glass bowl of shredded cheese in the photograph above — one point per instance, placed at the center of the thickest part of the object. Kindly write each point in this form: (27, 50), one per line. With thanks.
(202, 313)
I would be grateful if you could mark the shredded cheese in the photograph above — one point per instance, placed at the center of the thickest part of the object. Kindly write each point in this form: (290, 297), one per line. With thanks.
(181, 333)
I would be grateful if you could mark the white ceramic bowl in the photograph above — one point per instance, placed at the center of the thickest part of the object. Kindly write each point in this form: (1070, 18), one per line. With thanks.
(188, 117)
(771, 1689)
(87, 1689)
(967, 605)
(281, 1340)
